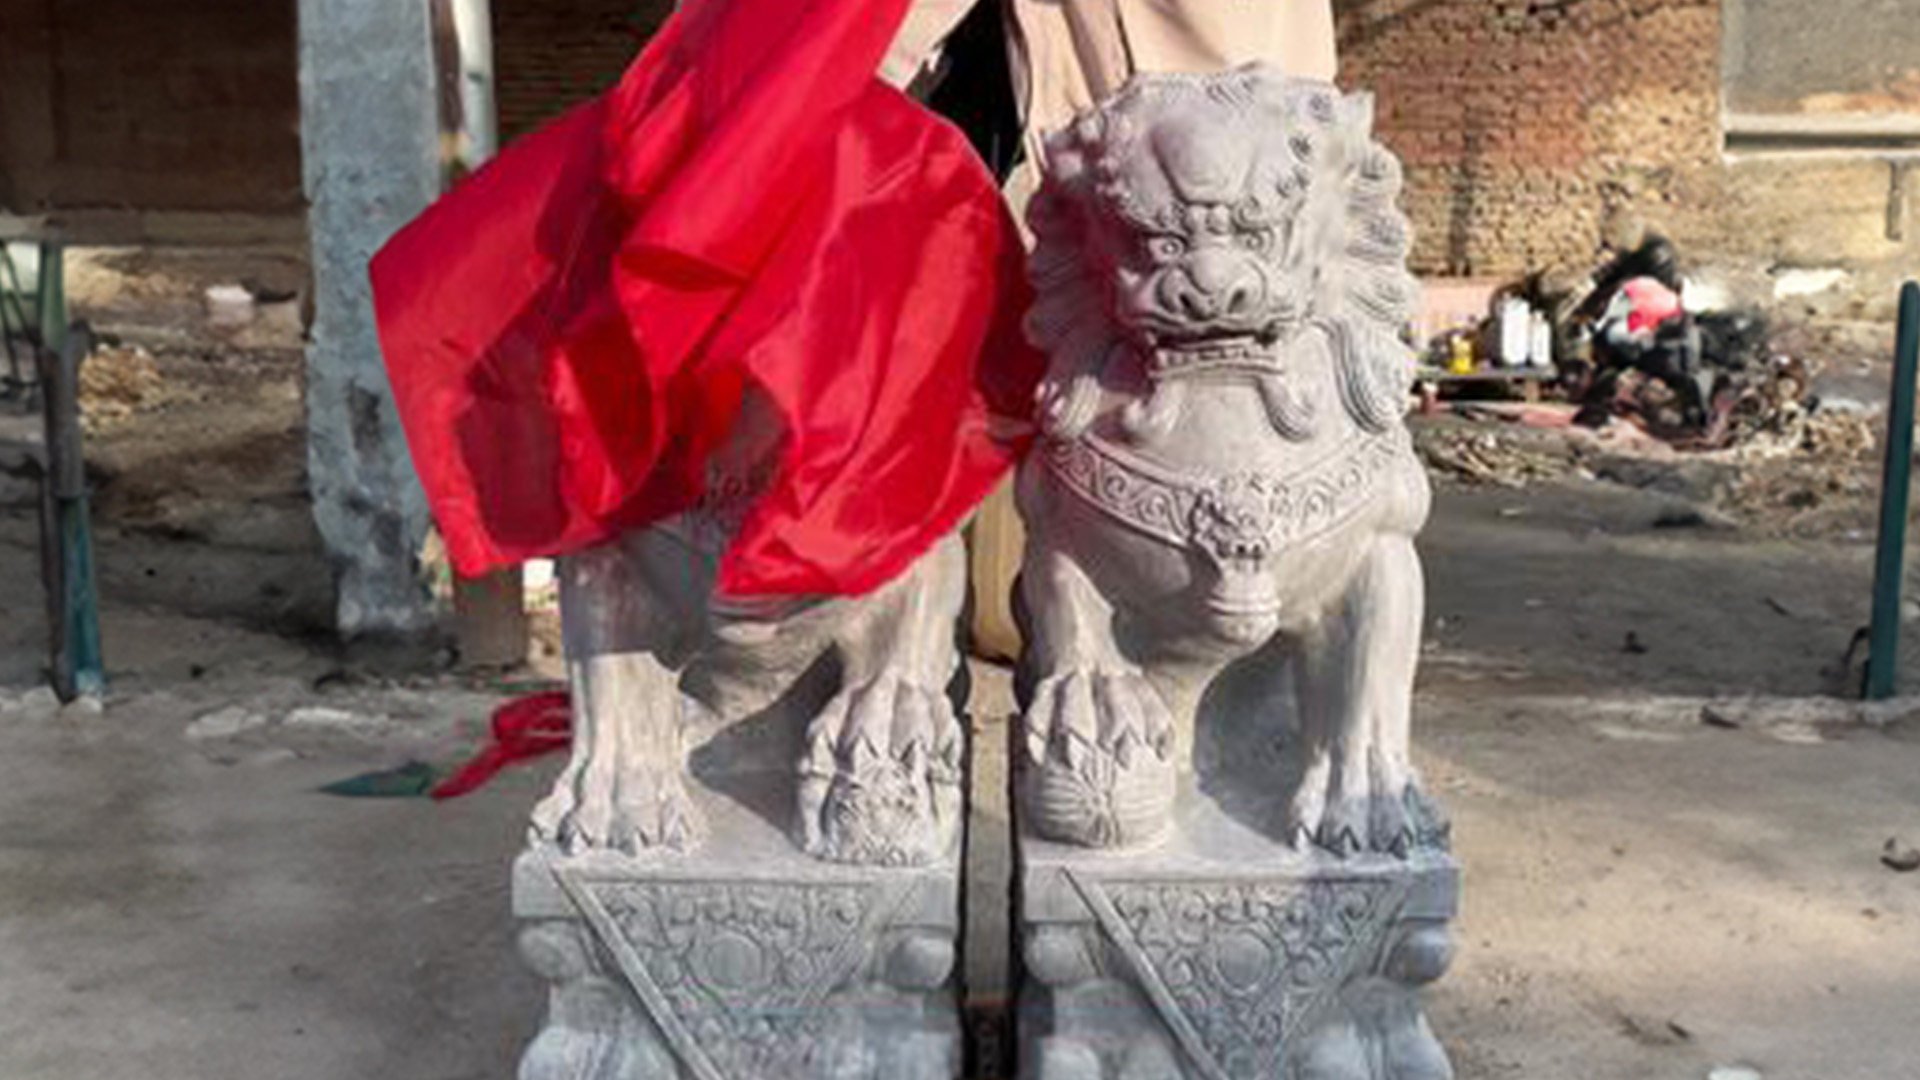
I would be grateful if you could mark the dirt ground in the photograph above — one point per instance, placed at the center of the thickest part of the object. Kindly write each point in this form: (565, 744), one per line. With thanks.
(1648, 894)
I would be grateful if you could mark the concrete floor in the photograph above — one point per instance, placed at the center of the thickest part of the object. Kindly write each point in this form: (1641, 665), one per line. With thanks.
(1647, 896)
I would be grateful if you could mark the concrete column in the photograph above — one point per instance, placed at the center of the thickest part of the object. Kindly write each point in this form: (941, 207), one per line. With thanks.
(370, 140)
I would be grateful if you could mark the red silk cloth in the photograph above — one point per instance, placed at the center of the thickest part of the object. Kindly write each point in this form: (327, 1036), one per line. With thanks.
(521, 730)
(571, 332)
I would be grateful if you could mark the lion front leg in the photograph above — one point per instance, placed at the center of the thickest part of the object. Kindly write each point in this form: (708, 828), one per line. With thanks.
(880, 776)
(1097, 768)
(1358, 791)
(624, 786)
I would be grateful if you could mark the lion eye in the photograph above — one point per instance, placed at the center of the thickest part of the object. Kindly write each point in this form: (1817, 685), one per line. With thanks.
(1162, 249)
(1259, 240)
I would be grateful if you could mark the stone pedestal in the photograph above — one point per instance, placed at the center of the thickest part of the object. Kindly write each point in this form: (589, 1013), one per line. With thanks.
(1221, 955)
(747, 960)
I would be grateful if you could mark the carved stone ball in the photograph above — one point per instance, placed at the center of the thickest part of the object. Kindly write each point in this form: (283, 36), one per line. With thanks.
(1335, 1052)
(1067, 1059)
(1422, 956)
(921, 961)
(1058, 956)
(1150, 1058)
(556, 951)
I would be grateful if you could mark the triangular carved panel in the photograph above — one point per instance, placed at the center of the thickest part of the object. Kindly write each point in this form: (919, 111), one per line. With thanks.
(1237, 968)
(734, 973)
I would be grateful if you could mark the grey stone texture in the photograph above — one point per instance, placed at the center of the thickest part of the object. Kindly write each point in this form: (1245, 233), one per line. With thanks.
(1228, 866)
(1223, 955)
(841, 704)
(746, 960)
(370, 140)
(749, 867)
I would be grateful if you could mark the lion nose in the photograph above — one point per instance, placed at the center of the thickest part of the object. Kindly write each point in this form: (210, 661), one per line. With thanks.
(1215, 284)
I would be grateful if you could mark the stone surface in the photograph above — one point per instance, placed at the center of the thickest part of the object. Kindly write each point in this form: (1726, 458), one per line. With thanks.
(1222, 955)
(370, 139)
(1228, 868)
(749, 867)
(225, 723)
(38, 701)
(748, 960)
(1222, 510)
(844, 700)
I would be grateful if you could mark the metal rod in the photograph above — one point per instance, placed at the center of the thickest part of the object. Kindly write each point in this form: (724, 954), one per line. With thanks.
(1884, 640)
(72, 605)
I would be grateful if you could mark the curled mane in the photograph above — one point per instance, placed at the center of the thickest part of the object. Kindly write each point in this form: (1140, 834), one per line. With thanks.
(1329, 186)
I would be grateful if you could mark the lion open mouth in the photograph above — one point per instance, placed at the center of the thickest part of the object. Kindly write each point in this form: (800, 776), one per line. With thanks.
(1215, 353)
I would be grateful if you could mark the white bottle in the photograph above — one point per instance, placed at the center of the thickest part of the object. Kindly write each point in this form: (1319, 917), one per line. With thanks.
(1512, 319)
(1540, 343)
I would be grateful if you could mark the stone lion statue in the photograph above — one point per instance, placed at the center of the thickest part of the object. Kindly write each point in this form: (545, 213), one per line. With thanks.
(855, 689)
(1224, 473)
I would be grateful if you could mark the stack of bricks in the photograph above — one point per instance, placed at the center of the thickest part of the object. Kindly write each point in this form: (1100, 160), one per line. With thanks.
(1524, 123)
(552, 54)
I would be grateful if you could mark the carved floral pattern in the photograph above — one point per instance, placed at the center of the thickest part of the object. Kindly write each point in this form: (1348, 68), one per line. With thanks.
(737, 974)
(1240, 969)
(1229, 517)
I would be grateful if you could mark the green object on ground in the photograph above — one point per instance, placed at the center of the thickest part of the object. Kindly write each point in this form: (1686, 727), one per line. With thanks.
(410, 781)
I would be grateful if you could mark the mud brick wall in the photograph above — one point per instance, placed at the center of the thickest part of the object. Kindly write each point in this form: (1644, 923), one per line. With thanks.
(1522, 122)
(1527, 125)
(551, 54)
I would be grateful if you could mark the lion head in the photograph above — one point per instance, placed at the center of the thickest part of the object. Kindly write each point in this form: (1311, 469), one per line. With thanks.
(1203, 222)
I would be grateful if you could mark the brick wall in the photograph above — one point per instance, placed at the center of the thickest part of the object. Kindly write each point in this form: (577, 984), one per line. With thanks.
(1524, 122)
(1526, 125)
(549, 54)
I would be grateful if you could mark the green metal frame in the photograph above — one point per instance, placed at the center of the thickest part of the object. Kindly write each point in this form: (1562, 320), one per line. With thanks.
(17, 326)
(1883, 651)
(66, 533)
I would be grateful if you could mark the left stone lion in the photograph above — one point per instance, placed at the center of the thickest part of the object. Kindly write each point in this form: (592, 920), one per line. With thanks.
(849, 693)
(749, 868)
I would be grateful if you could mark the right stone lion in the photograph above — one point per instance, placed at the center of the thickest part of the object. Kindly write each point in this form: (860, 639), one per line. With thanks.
(1225, 476)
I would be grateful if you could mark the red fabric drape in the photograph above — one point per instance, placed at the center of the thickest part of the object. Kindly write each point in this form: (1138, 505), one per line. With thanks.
(570, 333)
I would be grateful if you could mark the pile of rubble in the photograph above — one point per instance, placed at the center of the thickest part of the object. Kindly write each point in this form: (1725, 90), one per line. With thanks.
(116, 383)
(1493, 457)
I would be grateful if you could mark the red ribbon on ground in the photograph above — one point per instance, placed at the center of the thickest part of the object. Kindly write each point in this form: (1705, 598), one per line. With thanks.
(523, 729)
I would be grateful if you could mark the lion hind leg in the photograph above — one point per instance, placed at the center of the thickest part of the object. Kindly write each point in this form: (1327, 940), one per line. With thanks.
(624, 786)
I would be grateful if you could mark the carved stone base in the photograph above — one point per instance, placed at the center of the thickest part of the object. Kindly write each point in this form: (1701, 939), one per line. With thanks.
(1221, 955)
(745, 961)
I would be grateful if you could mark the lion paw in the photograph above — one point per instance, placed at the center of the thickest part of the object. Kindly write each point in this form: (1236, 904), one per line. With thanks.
(1099, 759)
(880, 782)
(633, 813)
(1386, 814)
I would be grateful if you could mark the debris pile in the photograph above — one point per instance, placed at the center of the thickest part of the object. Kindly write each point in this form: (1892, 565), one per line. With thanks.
(1489, 457)
(116, 383)
(1647, 384)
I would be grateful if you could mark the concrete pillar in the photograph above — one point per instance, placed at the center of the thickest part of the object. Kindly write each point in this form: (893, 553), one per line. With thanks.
(370, 141)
